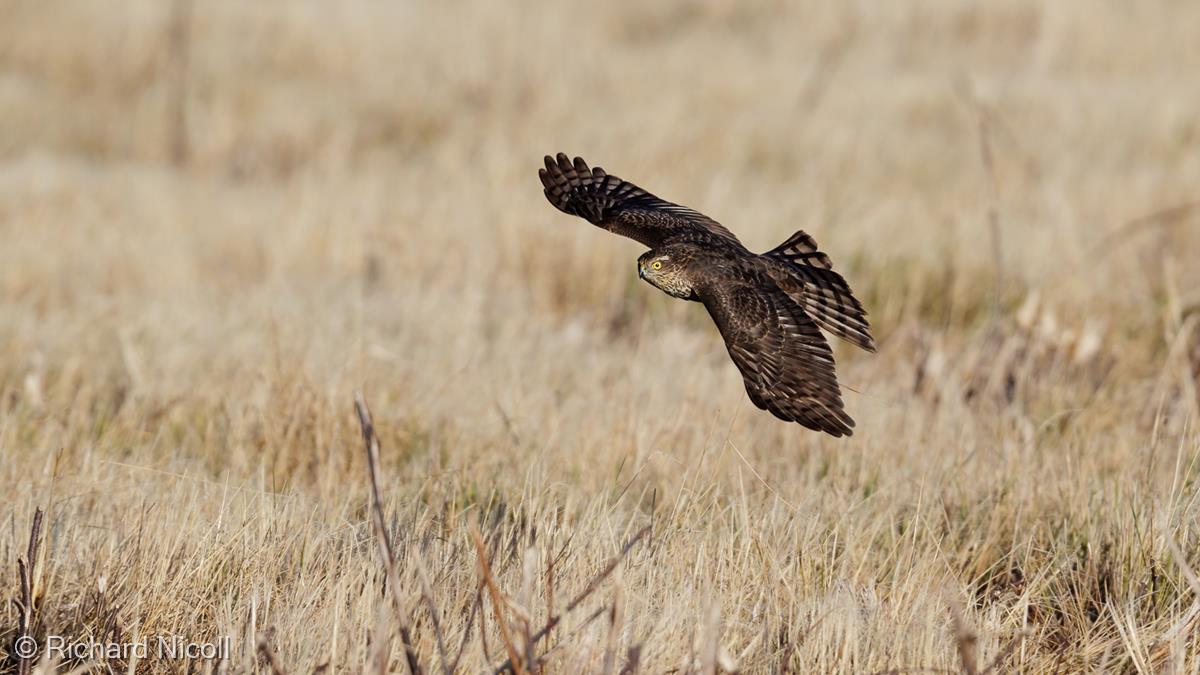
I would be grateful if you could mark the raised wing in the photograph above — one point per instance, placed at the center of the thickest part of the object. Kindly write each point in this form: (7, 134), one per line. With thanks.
(624, 208)
(785, 362)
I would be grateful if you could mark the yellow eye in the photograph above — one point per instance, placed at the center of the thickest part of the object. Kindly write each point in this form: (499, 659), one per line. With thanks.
(657, 264)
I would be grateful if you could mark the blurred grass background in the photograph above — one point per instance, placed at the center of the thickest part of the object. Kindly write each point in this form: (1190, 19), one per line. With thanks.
(219, 219)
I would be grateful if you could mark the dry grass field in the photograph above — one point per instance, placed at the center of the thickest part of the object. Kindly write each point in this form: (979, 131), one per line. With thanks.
(219, 220)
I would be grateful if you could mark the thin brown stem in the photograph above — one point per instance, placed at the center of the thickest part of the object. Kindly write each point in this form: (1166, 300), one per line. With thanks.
(386, 552)
(28, 576)
(485, 570)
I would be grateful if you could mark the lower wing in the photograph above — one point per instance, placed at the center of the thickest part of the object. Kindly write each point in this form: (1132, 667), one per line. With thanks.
(786, 364)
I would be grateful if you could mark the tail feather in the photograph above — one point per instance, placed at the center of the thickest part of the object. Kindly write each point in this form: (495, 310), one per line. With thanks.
(801, 249)
(807, 276)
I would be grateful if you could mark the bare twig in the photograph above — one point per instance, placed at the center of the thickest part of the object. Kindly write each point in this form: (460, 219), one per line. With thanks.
(588, 590)
(371, 442)
(485, 570)
(28, 576)
(601, 611)
(602, 575)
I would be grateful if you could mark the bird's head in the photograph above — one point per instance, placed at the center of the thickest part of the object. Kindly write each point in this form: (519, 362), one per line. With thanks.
(666, 269)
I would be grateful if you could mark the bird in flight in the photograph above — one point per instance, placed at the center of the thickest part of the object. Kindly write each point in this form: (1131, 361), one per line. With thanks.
(768, 306)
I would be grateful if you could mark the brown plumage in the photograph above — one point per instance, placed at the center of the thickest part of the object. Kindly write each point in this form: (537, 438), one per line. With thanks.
(767, 306)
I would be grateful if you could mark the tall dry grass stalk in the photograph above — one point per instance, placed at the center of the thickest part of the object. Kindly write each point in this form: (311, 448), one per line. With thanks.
(219, 220)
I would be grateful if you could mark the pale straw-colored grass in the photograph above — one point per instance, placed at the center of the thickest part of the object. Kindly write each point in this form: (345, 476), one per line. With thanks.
(356, 208)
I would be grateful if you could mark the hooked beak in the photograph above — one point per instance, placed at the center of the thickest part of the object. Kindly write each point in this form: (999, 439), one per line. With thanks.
(641, 272)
